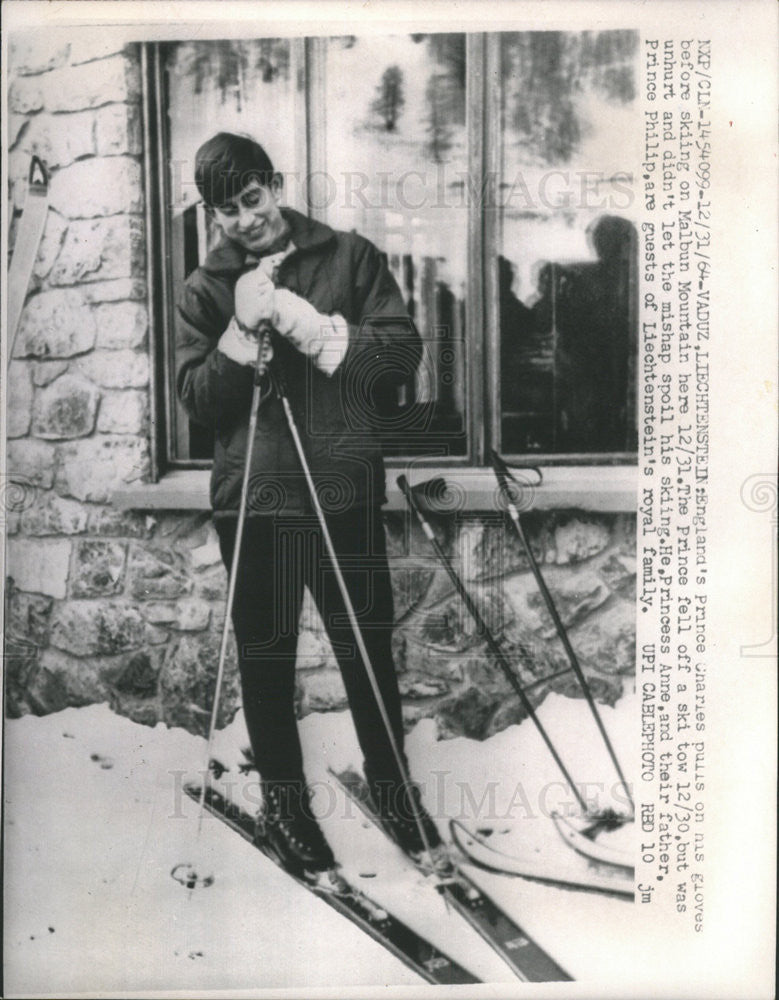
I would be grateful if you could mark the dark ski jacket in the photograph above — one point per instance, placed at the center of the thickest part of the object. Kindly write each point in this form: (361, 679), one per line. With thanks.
(338, 273)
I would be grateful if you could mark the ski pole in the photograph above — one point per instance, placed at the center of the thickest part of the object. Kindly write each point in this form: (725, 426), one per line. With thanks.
(351, 614)
(503, 476)
(494, 648)
(257, 397)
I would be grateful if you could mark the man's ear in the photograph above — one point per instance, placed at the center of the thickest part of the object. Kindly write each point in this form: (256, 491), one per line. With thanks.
(277, 186)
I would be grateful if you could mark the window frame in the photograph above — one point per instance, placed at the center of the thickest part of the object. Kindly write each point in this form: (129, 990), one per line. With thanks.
(484, 414)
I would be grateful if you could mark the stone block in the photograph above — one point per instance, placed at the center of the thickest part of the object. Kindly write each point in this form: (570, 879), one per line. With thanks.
(16, 124)
(116, 369)
(118, 130)
(25, 95)
(123, 411)
(84, 680)
(88, 628)
(100, 250)
(54, 515)
(55, 324)
(207, 555)
(60, 139)
(619, 573)
(510, 713)
(121, 325)
(467, 713)
(95, 43)
(140, 674)
(91, 85)
(187, 615)
(30, 687)
(29, 54)
(187, 683)
(98, 568)
(65, 409)
(39, 566)
(500, 552)
(34, 462)
(114, 290)
(409, 586)
(212, 584)
(119, 523)
(102, 185)
(418, 688)
(576, 591)
(579, 537)
(157, 576)
(93, 468)
(28, 617)
(605, 690)
(321, 691)
(19, 400)
(418, 657)
(314, 651)
(44, 372)
(607, 638)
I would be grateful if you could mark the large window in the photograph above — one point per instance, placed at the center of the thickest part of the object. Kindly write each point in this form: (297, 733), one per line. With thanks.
(488, 168)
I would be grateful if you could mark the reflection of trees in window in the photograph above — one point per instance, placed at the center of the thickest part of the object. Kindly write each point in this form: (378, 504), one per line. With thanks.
(390, 99)
(225, 65)
(445, 92)
(544, 74)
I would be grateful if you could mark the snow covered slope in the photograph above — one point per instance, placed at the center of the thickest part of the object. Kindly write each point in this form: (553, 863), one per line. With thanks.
(96, 819)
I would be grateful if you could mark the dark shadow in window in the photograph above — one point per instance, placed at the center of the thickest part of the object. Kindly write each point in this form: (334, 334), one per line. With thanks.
(567, 362)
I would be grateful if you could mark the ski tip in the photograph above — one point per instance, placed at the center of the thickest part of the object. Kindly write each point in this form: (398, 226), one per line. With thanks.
(38, 176)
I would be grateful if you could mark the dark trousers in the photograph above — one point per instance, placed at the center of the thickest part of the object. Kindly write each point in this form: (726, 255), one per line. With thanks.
(279, 556)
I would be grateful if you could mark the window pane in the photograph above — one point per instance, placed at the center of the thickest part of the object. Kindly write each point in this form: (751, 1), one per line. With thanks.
(214, 86)
(396, 157)
(566, 264)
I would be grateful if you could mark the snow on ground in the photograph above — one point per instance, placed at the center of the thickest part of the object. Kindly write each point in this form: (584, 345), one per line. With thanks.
(96, 819)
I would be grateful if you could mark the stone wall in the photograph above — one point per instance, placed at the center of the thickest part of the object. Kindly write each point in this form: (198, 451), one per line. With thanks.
(126, 607)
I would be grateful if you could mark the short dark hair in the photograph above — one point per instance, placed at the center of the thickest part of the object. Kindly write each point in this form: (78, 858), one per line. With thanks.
(226, 163)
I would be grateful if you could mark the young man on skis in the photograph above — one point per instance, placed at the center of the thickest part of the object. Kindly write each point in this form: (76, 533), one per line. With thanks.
(339, 337)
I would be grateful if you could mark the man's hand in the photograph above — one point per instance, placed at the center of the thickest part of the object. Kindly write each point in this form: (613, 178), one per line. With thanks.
(254, 299)
(242, 347)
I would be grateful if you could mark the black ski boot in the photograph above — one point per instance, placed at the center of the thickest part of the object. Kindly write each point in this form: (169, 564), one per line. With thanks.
(286, 823)
(399, 805)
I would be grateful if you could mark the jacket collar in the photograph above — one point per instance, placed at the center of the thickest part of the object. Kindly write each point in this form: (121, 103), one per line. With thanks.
(305, 233)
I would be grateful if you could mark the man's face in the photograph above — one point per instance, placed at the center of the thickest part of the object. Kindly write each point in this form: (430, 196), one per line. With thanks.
(253, 217)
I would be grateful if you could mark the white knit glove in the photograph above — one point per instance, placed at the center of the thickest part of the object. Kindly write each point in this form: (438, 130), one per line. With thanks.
(254, 298)
(241, 346)
(322, 338)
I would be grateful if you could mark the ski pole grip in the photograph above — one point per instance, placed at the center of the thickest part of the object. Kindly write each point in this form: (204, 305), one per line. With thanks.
(405, 489)
(263, 336)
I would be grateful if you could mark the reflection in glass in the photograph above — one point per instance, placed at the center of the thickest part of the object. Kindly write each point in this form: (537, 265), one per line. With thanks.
(566, 263)
(220, 86)
(396, 157)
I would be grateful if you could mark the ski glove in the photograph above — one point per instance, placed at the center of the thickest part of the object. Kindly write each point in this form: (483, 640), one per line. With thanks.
(240, 344)
(322, 338)
(254, 294)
